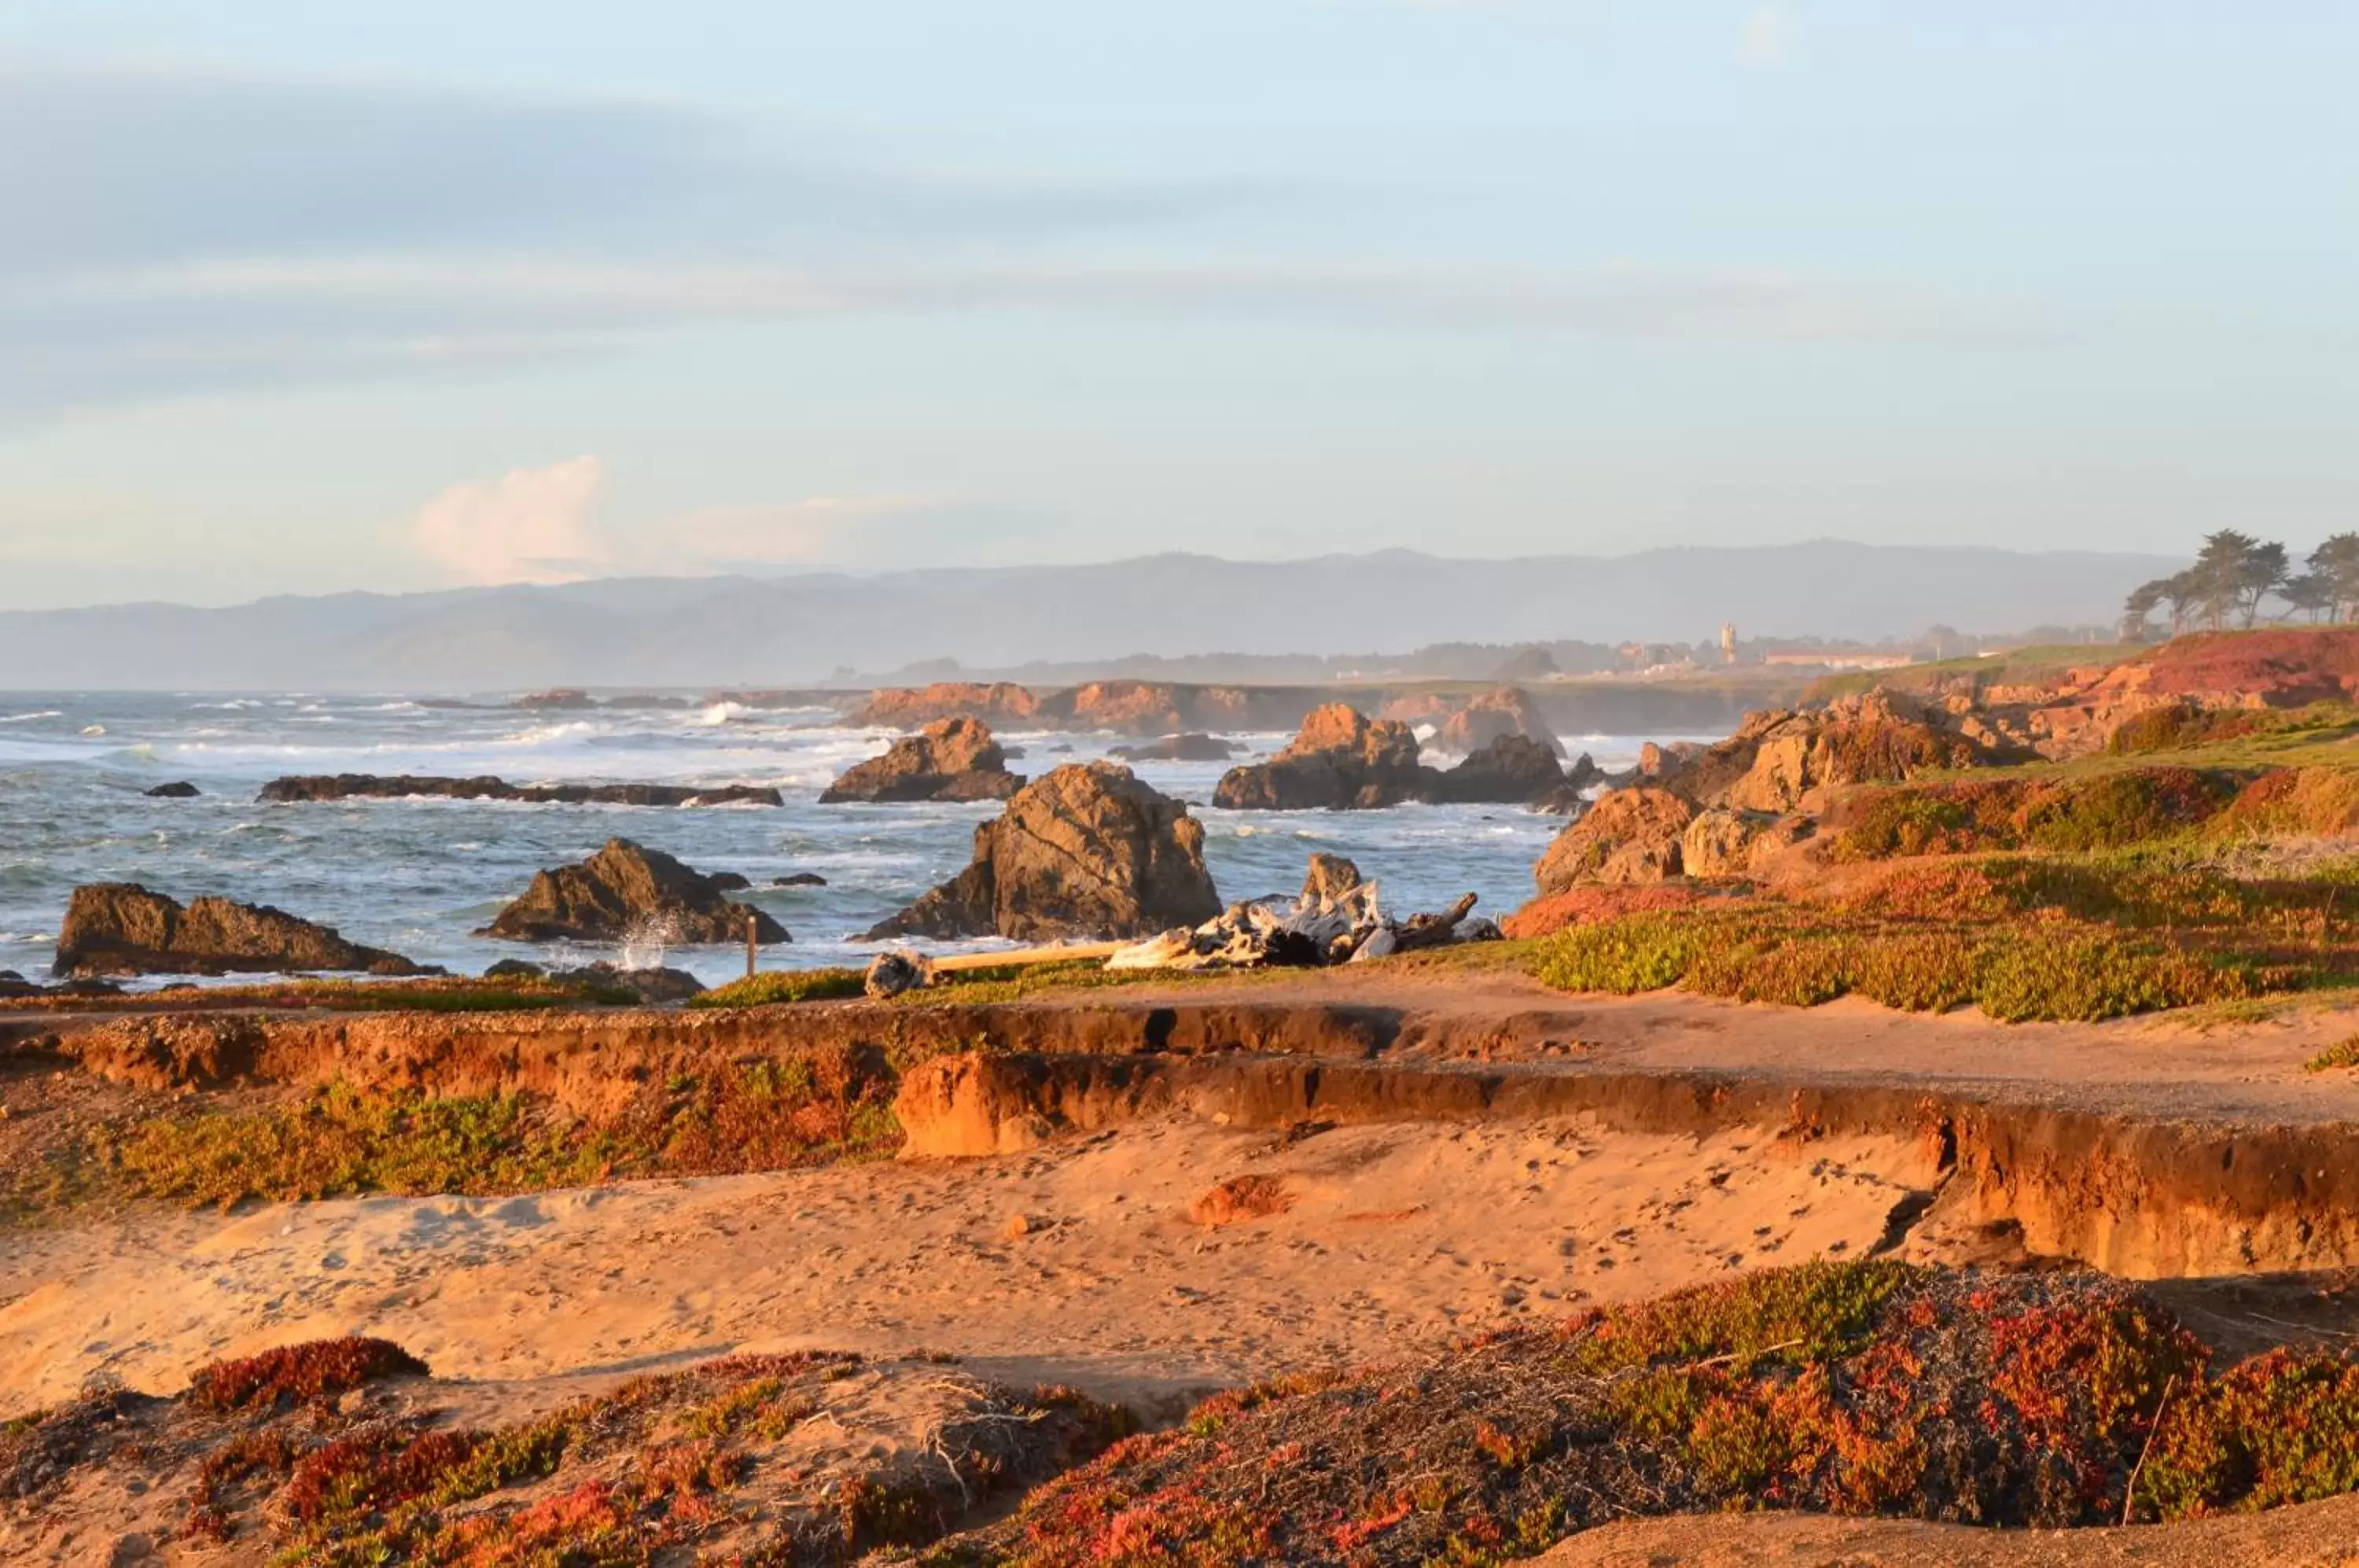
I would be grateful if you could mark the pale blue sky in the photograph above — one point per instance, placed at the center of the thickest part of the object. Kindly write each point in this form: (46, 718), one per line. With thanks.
(298, 297)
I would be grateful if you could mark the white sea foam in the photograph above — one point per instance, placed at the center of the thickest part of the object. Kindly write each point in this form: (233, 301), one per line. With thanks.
(28, 718)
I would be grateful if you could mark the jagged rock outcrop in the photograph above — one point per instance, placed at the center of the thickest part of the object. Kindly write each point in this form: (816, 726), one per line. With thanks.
(624, 890)
(1505, 711)
(121, 927)
(1785, 760)
(1508, 768)
(317, 787)
(1629, 836)
(181, 790)
(1087, 851)
(1001, 702)
(654, 986)
(1181, 748)
(949, 759)
(1339, 761)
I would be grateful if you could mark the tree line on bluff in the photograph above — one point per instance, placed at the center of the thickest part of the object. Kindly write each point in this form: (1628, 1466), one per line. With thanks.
(2236, 573)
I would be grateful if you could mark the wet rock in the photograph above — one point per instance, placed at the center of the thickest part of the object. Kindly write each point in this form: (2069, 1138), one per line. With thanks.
(1509, 769)
(1182, 748)
(1087, 850)
(799, 879)
(627, 890)
(730, 881)
(1339, 761)
(181, 790)
(121, 927)
(1629, 836)
(650, 986)
(949, 759)
(561, 699)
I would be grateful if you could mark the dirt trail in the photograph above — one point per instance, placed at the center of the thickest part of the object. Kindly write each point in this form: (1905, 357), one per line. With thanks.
(1397, 1234)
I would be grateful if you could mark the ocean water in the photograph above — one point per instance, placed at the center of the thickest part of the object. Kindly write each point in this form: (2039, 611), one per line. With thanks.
(419, 877)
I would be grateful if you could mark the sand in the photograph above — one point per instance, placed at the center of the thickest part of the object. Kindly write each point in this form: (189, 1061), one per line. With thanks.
(1074, 1263)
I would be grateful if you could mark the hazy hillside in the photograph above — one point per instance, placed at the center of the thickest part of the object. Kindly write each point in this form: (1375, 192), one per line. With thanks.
(799, 629)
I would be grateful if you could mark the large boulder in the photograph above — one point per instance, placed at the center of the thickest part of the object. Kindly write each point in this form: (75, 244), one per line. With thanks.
(1085, 851)
(121, 927)
(1339, 761)
(626, 890)
(949, 759)
(1503, 711)
(1512, 768)
(1629, 836)
(1719, 843)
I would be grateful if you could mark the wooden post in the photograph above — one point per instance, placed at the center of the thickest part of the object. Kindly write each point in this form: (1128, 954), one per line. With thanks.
(750, 949)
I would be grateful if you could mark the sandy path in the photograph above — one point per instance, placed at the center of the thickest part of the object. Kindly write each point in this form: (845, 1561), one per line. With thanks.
(1398, 1234)
(2318, 1535)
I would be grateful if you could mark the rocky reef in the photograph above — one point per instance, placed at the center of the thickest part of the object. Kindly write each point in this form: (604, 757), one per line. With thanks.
(121, 927)
(626, 889)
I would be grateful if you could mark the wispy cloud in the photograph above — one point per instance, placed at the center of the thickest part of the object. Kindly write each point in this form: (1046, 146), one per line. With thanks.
(541, 525)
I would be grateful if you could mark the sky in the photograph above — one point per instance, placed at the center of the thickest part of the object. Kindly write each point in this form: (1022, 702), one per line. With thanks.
(302, 298)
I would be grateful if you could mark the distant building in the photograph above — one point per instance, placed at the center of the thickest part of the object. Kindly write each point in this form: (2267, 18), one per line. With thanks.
(1728, 642)
(1821, 659)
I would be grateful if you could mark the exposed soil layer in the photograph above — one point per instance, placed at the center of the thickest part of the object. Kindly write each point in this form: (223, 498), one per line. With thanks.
(2148, 1150)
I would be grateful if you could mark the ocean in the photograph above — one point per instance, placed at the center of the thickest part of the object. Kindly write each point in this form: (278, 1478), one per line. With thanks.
(419, 877)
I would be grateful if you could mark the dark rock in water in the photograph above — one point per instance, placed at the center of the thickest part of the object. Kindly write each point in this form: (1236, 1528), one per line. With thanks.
(1182, 748)
(730, 881)
(1339, 761)
(647, 985)
(1571, 798)
(180, 790)
(949, 759)
(1511, 767)
(1328, 876)
(14, 985)
(1060, 751)
(516, 969)
(562, 698)
(623, 890)
(408, 786)
(642, 701)
(799, 879)
(121, 927)
(1087, 851)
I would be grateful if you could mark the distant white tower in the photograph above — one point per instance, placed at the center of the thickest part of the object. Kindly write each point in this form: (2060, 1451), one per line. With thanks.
(1728, 642)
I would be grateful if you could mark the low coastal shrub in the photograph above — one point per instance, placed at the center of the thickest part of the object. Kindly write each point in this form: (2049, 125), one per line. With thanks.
(297, 1374)
(2072, 813)
(666, 1467)
(784, 985)
(1867, 1388)
(2183, 727)
(775, 1114)
(2050, 969)
(2293, 800)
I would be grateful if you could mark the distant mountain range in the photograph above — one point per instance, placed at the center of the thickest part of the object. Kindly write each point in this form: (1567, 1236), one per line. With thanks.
(654, 632)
